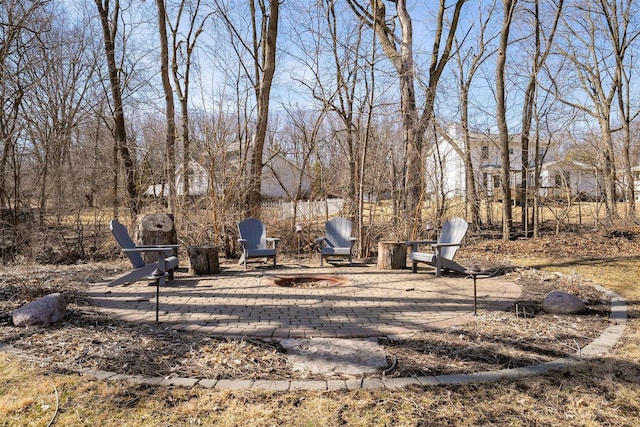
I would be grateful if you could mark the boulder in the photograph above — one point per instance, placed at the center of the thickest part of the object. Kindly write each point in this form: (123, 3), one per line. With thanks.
(44, 311)
(558, 302)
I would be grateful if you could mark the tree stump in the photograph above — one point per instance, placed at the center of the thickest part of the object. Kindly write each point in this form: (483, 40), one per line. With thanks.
(156, 229)
(203, 260)
(392, 256)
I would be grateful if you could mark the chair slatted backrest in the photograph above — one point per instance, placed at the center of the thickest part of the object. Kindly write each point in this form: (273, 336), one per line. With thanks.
(254, 232)
(338, 232)
(453, 231)
(121, 234)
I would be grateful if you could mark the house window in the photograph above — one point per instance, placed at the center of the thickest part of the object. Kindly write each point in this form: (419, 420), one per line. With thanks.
(484, 152)
(562, 179)
(511, 151)
(496, 181)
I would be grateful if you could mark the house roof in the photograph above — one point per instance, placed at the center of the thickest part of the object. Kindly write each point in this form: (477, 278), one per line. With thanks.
(566, 164)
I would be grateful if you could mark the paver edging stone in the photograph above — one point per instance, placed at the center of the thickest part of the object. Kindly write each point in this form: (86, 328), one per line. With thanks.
(604, 343)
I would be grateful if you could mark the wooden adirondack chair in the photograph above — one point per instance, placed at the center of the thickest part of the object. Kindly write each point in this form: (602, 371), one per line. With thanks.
(337, 241)
(157, 271)
(254, 242)
(444, 249)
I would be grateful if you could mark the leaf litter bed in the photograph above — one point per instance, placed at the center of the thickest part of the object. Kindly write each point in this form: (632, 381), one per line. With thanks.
(88, 338)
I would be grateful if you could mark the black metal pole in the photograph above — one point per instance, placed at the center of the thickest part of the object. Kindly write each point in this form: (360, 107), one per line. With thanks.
(475, 297)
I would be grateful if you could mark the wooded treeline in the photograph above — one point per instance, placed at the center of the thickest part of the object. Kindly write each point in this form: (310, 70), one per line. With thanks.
(101, 100)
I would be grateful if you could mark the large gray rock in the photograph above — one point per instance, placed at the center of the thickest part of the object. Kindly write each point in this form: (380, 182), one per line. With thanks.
(44, 311)
(559, 302)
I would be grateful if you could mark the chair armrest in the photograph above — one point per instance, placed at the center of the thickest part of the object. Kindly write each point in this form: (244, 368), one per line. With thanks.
(157, 246)
(415, 243)
(320, 240)
(163, 249)
(445, 245)
(274, 240)
(242, 241)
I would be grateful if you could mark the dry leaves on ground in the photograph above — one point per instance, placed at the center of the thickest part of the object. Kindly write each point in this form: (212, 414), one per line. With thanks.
(90, 339)
(522, 336)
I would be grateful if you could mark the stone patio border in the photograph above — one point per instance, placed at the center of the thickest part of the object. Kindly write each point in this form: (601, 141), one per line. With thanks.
(600, 346)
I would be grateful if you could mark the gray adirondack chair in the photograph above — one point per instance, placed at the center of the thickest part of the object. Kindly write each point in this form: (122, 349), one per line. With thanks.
(444, 249)
(254, 241)
(337, 241)
(157, 271)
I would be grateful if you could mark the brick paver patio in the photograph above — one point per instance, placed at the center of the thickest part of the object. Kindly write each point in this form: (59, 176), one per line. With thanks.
(377, 303)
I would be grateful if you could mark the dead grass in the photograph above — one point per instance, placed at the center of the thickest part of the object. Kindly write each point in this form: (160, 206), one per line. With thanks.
(601, 392)
(591, 395)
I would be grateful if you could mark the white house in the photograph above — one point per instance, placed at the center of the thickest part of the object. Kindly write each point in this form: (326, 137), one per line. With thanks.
(198, 182)
(280, 179)
(580, 179)
(446, 169)
(636, 182)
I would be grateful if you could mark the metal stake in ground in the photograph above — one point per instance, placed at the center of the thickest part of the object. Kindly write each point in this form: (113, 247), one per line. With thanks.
(159, 276)
(475, 272)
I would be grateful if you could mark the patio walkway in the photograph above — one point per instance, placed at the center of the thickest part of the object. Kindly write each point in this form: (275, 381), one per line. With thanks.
(377, 303)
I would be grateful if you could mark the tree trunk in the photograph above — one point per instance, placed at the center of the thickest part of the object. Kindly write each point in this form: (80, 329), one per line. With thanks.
(609, 171)
(263, 92)
(391, 256)
(120, 129)
(156, 229)
(529, 106)
(472, 199)
(203, 260)
(170, 115)
(501, 117)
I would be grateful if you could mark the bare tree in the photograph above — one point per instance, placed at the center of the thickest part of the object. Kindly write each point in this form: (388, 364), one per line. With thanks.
(366, 141)
(621, 32)
(398, 48)
(501, 117)
(469, 60)
(595, 48)
(109, 19)
(21, 24)
(170, 109)
(55, 105)
(261, 47)
(298, 143)
(336, 85)
(182, 52)
(541, 50)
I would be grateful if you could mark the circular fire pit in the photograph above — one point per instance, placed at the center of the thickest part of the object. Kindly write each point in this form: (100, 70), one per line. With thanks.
(306, 281)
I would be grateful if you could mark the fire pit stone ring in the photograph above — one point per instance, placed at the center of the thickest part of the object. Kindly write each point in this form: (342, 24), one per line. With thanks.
(306, 281)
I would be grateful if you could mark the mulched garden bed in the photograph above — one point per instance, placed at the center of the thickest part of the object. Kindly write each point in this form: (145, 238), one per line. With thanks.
(88, 338)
